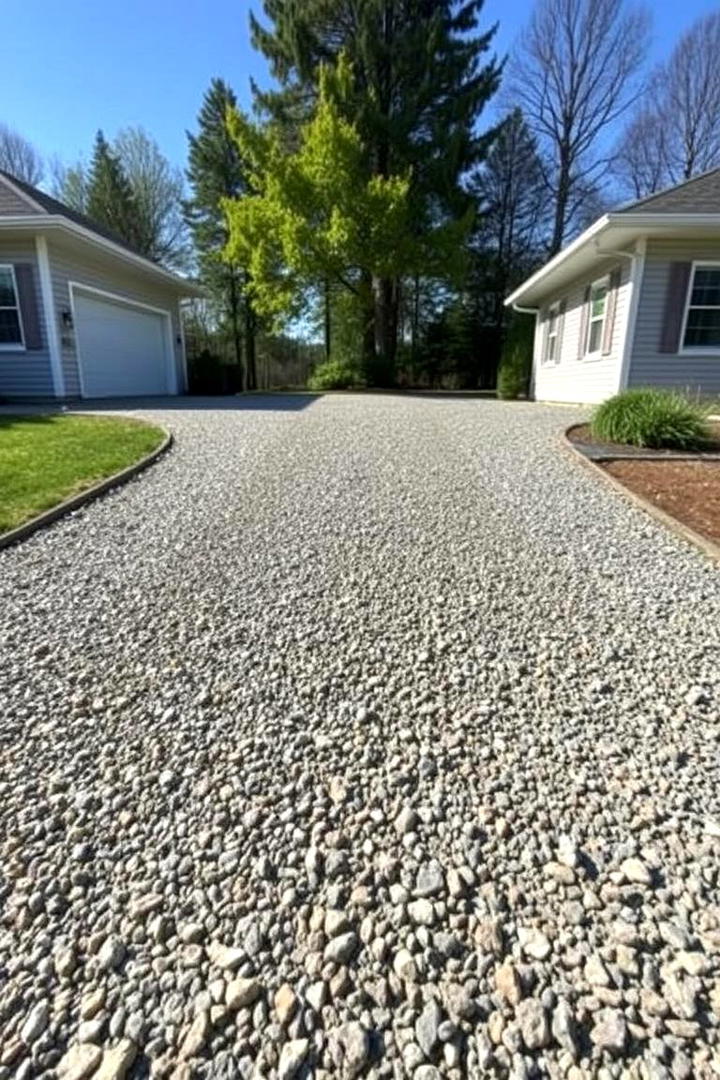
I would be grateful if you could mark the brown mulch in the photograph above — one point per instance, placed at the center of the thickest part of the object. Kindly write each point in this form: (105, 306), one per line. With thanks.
(583, 435)
(689, 490)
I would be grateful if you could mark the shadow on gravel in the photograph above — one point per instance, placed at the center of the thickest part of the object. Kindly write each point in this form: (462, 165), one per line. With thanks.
(241, 403)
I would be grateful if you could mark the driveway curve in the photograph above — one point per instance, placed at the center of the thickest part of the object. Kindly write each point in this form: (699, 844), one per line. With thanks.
(361, 736)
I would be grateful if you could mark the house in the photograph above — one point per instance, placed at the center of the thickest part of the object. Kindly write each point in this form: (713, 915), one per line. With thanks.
(81, 313)
(634, 301)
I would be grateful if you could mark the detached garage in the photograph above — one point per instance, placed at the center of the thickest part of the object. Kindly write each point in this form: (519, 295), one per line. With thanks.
(82, 314)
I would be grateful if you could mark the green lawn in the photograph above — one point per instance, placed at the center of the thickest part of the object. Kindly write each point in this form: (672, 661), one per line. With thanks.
(45, 459)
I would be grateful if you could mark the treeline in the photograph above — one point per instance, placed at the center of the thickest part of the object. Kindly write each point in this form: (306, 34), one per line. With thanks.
(397, 181)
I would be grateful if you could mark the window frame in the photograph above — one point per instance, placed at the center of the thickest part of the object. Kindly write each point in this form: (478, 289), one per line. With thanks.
(13, 346)
(596, 354)
(553, 311)
(697, 350)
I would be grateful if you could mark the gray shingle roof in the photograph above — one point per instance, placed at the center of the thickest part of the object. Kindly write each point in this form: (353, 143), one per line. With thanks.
(701, 195)
(54, 206)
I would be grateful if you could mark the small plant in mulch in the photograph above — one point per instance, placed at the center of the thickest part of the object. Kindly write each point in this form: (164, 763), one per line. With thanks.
(656, 419)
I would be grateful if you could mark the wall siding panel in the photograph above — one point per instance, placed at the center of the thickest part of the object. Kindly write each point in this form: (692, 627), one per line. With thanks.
(25, 373)
(99, 272)
(649, 366)
(12, 204)
(574, 379)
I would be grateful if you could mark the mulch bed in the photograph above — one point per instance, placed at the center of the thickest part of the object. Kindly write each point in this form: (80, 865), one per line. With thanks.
(689, 490)
(581, 435)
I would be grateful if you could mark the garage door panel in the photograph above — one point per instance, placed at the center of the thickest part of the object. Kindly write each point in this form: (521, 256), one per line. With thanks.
(122, 349)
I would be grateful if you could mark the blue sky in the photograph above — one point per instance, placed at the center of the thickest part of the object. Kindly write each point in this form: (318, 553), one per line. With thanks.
(71, 68)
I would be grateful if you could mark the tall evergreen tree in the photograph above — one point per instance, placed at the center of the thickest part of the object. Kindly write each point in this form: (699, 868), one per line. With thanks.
(216, 172)
(514, 208)
(419, 89)
(109, 195)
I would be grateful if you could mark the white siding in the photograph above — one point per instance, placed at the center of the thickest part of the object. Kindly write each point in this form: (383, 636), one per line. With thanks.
(573, 378)
(648, 366)
(25, 373)
(87, 267)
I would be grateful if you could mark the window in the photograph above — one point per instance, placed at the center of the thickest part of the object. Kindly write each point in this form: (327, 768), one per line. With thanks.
(551, 339)
(702, 319)
(11, 335)
(596, 316)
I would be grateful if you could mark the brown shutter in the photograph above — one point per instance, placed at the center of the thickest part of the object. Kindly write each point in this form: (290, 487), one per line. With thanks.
(675, 297)
(27, 298)
(560, 328)
(610, 312)
(583, 323)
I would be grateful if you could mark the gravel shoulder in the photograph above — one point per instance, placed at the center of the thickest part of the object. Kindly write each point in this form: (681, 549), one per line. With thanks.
(362, 736)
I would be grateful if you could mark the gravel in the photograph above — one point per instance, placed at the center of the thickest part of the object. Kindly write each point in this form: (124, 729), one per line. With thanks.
(362, 736)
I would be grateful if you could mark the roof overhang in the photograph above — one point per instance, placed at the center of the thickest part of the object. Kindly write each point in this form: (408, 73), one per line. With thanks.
(605, 237)
(49, 223)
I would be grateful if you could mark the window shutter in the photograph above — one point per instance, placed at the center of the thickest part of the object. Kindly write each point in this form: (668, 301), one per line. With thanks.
(560, 328)
(610, 312)
(27, 299)
(675, 298)
(583, 323)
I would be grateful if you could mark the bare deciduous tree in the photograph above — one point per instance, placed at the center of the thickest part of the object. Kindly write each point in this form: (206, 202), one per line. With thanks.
(675, 132)
(640, 161)
(19, 157)
(575, 72)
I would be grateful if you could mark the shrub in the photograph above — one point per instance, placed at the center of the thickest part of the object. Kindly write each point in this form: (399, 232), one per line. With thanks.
(207, 374)
(659, 419)
(334, 374)
(513, 378)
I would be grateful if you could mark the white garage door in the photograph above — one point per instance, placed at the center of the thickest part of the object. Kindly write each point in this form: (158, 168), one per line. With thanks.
(122, 350)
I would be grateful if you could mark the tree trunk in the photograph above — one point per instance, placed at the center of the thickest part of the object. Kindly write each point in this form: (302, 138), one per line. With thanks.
(368, 333)
(561, 205)
(385, 291)
(250, 352)
(234, 299)
(327, 314)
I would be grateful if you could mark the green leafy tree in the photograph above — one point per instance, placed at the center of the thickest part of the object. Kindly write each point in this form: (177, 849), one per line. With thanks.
(216, 171)
(109, 195)
(419, 87)
(315, 216)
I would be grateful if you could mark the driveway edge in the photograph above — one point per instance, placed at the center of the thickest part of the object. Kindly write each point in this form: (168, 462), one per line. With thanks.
(678, 528)
(48, 517)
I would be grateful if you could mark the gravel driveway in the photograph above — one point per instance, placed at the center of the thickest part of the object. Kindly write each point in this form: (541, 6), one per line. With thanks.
(361, 736)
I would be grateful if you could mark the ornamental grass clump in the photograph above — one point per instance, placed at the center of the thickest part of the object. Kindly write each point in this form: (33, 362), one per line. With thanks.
(657, 419)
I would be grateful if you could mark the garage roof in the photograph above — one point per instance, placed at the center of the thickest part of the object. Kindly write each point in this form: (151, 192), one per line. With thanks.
(32, 208)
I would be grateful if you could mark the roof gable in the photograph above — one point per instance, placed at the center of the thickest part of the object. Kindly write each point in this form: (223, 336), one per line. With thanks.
(39, 202)
(700, 195)
(13, 200)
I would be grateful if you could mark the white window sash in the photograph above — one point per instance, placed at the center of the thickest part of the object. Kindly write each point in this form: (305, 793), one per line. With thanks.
(20, 343)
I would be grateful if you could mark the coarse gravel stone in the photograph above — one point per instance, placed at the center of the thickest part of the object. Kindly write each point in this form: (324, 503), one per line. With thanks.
(361, 735)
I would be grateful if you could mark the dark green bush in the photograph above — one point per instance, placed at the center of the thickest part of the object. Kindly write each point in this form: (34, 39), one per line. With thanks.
(659, 419)
(513, 378)
(334, 374)
(207, 374)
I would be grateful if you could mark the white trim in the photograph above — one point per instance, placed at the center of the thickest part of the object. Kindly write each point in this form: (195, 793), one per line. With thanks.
(553, 309)
(48, 303)
(642, 222)
(596, 354)
(635, 282)
(118, 298)
(8, 181)
(697, 350)
(558, 259)
(14, 346)
(43, 221)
